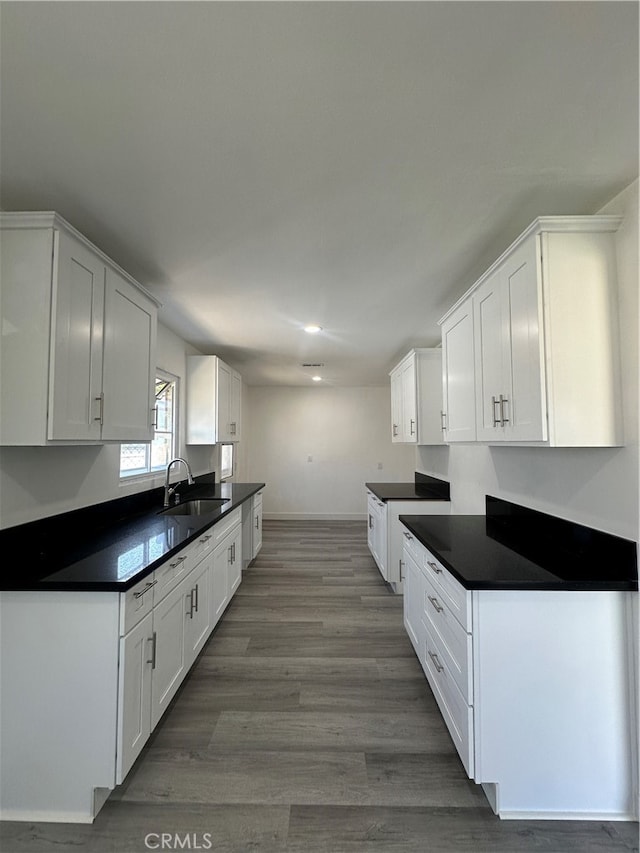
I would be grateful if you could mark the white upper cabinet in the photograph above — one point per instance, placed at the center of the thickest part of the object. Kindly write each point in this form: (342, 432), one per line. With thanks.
(416, 398)
(458, 375)
(214, 393)
(541, 330)
(78, 350)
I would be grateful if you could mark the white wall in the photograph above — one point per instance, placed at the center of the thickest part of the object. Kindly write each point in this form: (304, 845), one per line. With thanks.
(36, 482)
(595, 486)
(346, 431)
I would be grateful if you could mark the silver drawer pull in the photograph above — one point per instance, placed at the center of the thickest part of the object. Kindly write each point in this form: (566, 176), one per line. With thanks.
(205, 539)
(434, 601)
(407, 536)
(503, 419)
(436, 568)
(436, 662)
(177, 562)
(494, 403)
(154, 642)
(146, 589)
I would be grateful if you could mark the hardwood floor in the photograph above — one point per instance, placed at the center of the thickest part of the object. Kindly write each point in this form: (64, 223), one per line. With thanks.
(307, 725)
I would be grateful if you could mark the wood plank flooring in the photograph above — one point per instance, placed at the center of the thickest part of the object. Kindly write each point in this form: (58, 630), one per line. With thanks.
(306, 726)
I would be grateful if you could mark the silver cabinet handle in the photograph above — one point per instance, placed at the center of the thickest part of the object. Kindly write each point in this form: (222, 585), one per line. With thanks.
(436, 568)
(436, 662)
(394, 430)
(154, 417)
(146, 589)
(434, 601)
(100, 400)
(494, 403)
(443, 421)
(401, 564)
(407, 535)
(503, 419)
(411, 429)
(205, 539)
(232, 428)
(197, 596)
(370, 521)
(177, 562)
(154, 643)
(257, 522)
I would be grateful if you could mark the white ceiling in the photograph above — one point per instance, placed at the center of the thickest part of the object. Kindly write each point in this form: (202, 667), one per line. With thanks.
(258, 166)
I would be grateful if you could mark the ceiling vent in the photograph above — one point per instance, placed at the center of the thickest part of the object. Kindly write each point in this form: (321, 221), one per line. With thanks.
(313, 364)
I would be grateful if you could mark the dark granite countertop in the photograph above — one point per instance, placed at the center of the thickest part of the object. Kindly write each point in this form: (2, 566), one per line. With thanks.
(515, 548)
(424, 488)
(110, 547)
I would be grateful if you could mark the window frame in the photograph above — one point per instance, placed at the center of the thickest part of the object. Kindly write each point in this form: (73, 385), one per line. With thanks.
(223, 472)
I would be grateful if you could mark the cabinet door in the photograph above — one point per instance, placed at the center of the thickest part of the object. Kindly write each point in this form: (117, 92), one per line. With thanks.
(129, 361)
(396, 406)
(223, 402)
(234, 566)
(257, 528)
(372, 527)
(218, 585)
(524, 408)
(76, 346)
(490, 361)
(458, 379)
(170, 660)
(198, 621)
(409, 403)
(134, 694)
(235, 404)
(381, 543)
(412, 599)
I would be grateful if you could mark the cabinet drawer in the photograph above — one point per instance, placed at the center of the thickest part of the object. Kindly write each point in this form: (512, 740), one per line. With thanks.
(136, 602)
(221, 529)
(169, 574)
(257, 500)
(455, 596)
(412, 545)
(454, 642)
(200, 547)
(457, 714)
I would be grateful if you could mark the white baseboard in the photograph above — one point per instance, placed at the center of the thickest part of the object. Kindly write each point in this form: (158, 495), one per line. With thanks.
(313, 516)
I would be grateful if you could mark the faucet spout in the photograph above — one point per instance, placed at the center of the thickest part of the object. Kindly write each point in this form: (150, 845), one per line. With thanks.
(169, 490)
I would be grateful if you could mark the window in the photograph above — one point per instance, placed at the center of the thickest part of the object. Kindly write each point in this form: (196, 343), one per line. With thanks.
(226, 461)
(138, 459)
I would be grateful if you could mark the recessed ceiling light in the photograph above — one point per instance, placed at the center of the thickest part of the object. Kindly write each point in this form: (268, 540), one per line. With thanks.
(313, 330)
(317, 378)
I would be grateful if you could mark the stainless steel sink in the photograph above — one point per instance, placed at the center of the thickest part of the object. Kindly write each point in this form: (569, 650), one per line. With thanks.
(201, 506)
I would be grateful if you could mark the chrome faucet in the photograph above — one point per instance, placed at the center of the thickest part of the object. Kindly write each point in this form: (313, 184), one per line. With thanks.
(169, 490)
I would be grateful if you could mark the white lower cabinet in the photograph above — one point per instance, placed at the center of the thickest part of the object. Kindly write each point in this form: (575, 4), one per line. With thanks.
(385, 532)
(169, 667)
(534, 687)
(108, 666)
(134, 694)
